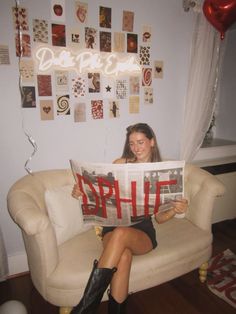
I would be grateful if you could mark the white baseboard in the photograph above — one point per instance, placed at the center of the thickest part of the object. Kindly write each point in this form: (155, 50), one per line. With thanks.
(17, 263)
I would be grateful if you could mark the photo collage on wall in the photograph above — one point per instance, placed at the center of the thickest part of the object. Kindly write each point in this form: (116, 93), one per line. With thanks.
(87, 95)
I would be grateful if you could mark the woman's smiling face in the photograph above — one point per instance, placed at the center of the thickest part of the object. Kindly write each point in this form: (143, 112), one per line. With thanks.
(141, 146)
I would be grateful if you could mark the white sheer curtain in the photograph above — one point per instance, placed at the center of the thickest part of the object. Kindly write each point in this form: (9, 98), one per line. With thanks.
(3, 259)
(202, 84)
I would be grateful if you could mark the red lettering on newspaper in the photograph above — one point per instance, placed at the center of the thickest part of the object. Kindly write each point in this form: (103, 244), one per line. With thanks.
(224, 277)
(111, 191)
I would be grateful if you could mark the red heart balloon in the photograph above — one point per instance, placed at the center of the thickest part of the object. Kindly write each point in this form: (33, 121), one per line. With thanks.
(220, 13)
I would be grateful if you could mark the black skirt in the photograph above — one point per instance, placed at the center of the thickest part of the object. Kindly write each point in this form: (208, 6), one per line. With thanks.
(145, 225)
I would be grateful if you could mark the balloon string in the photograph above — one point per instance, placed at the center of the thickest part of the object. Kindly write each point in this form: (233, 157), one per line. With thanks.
(29, 137)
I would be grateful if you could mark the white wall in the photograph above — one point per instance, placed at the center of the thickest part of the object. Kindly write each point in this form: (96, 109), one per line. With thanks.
(226, 106)
(97, 140)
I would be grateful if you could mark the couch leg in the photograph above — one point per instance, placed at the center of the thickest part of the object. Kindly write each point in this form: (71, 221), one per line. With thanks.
(65, 310)
(203, 272)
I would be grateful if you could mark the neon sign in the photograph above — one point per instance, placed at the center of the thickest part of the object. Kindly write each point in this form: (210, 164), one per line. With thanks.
(86, 61)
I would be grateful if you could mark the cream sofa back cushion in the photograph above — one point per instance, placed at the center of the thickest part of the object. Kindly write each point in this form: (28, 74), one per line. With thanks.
(65, 213)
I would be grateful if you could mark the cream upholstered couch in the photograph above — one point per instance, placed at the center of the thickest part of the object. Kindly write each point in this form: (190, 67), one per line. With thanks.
(60, 262)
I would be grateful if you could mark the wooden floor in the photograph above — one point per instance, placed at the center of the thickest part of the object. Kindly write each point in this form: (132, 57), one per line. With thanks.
(184, 295)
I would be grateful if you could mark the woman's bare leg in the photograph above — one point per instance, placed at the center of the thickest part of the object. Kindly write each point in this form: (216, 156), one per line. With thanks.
(120, 280)
(120, 239)
(119, 246)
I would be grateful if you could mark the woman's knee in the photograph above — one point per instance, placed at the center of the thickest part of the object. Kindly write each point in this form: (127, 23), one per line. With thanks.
(120, 234)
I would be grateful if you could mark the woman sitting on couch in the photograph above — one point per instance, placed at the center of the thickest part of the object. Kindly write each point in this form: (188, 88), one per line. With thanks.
(121, 243)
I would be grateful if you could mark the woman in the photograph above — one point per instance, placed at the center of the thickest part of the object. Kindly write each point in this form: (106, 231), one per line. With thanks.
(121, 243)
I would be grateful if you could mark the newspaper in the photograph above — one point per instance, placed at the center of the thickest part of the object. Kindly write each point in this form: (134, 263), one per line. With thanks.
(124, 194)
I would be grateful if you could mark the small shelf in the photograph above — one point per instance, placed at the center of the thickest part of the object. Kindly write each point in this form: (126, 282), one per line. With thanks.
(217, 142)
(218, 151)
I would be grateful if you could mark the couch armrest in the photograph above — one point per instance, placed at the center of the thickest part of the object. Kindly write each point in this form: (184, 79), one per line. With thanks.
(201, 189)
(39, 236)
(25, 212)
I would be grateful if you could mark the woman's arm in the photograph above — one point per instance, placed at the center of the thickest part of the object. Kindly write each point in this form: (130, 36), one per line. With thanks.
(119, 161)
(179, 207)
(76, 193)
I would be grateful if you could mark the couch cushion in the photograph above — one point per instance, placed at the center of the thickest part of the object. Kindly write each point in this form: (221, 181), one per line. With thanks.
(181, 245)
(65, 213)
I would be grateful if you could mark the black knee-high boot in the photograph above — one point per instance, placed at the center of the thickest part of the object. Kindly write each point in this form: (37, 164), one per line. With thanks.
(116, 308)
(98, 282)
